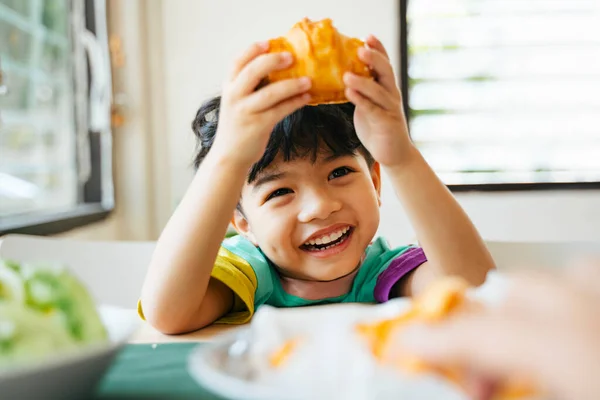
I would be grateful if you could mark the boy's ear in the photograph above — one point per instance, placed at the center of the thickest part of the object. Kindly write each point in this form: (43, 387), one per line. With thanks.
(241, 225)
(376, 177)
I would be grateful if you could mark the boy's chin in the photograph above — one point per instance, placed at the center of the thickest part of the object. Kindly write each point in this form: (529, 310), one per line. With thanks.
(335, 275)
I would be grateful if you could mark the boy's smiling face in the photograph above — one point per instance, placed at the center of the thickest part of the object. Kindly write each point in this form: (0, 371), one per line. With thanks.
(314, 220)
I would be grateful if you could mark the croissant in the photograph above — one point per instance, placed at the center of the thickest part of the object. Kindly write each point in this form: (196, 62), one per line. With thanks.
(321, 53)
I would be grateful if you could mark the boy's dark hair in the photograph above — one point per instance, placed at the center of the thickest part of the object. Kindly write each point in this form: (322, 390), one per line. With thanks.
(302, 133)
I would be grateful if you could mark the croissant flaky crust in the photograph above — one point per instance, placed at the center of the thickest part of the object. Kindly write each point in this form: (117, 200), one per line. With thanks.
(323, 54)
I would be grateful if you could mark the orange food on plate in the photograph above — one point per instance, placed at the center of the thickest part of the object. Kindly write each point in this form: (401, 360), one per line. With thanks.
(279, 357)
(440, 301)
(323, 54)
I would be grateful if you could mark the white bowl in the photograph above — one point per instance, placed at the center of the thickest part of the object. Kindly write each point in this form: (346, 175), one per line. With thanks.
(73, 375)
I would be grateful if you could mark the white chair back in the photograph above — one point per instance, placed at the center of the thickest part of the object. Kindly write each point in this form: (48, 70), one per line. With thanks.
(512, 255)
(112, 271)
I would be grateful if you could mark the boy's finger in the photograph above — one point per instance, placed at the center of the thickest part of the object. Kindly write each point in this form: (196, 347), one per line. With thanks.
(287, 107)
(249, 54)
(374, 43)
(382, 67)
(361, 101)
(370, 89)
(258, 69)
(277, 92)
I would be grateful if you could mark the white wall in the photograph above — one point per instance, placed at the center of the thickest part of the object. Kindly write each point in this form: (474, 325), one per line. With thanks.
(203, 37)
(139, 167)
(525, 216)
(190, 46)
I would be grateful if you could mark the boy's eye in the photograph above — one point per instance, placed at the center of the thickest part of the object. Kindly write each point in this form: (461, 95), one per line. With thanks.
(339, 172)
(278, 192)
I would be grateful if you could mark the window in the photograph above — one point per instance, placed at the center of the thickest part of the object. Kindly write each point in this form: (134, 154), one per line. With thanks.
(55, 147)
(504, 94)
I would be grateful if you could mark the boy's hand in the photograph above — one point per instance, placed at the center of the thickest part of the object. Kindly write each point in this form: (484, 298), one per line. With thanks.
(247, 115)
(379, 117)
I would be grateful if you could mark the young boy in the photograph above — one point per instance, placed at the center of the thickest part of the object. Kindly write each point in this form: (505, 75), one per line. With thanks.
(303, 186)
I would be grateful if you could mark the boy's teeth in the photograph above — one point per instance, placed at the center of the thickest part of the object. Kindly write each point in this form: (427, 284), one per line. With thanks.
(328, 238)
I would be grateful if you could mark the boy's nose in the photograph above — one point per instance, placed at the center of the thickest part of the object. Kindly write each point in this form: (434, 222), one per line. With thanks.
(318, 205)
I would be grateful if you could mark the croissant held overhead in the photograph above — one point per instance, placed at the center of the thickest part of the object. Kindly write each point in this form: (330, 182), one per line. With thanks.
(323, 54)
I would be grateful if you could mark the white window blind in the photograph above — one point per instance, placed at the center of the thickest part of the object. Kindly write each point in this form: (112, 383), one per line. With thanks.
(37, 126)
(506, 91)
(55, 155)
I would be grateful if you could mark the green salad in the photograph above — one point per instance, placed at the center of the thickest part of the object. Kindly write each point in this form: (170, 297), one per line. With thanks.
(43, 311)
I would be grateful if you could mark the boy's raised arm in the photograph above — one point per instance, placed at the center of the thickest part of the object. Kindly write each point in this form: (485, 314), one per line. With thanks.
(452, 244)
(178, 295)
(450, 241)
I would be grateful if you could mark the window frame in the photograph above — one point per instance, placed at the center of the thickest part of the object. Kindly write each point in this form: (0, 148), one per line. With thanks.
(481, 187)
(95, 205)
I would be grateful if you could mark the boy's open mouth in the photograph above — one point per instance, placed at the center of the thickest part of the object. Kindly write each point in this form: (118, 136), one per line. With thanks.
(328, 242)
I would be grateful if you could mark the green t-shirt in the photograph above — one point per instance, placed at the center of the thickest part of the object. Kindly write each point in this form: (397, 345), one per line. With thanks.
(246, 270)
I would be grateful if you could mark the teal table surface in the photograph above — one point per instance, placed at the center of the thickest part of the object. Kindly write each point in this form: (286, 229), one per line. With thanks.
(146, 371)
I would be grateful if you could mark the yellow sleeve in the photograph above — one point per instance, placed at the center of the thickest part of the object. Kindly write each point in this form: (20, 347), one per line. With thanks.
(140, 311)
(237, 274)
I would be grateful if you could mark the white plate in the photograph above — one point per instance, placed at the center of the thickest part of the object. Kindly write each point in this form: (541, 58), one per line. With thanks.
(326, 369)
(207, 365)
(332, 362)
(74, 375)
